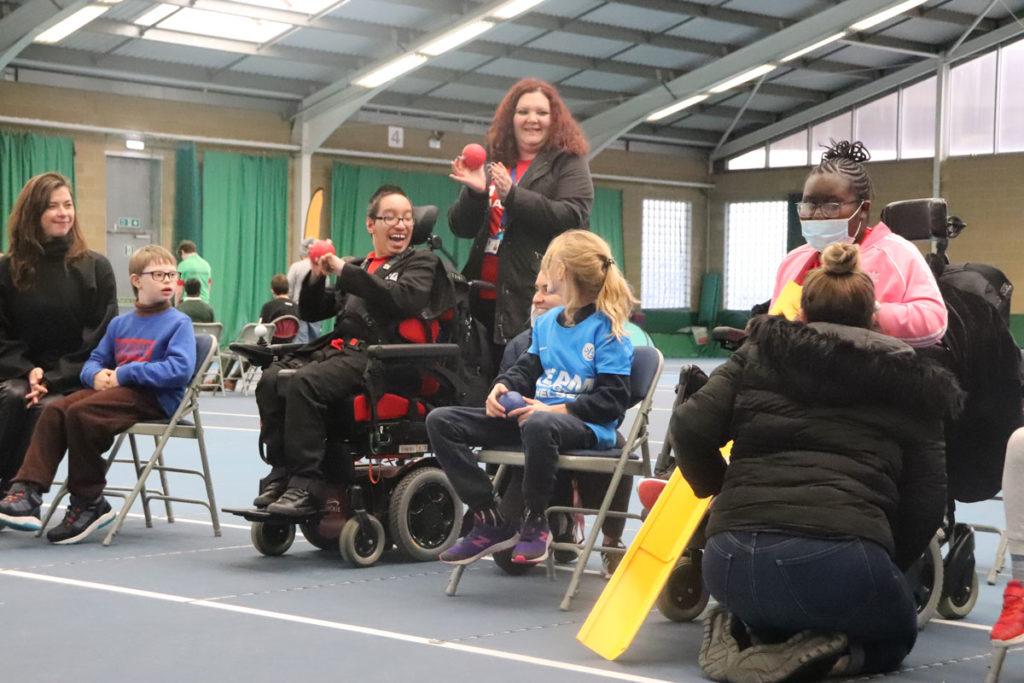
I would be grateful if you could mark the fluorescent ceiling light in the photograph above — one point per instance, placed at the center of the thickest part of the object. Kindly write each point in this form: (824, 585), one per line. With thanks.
(678, 106)
(158, 13)
(391, 70)
(303, 6)
(63, 29)
(865, 24)
(456, 37)
(218, 25)
(514, 8)
(812, 48)
(743, 78)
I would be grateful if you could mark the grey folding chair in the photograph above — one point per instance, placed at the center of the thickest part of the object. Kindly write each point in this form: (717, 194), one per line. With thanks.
(177, 426)
(216, 380)
(617, 462)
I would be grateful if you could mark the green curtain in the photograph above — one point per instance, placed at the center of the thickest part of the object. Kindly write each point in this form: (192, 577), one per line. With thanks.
(606, 220)
(188, 209)
(351, 187)
(23, 155)
(245, 232)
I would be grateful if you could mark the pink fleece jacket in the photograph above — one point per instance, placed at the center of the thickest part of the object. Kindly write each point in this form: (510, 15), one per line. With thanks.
(911, 307)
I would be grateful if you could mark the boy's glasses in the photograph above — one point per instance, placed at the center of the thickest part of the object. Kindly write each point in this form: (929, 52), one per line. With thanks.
(162, 275)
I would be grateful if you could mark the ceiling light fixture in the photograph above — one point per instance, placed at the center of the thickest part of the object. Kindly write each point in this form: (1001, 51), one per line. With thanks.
(678, 106)
(63, 29)
(514, 8)
(391, 70)
(756, 72)
(456, 37)
(811, 48)
(884, 15)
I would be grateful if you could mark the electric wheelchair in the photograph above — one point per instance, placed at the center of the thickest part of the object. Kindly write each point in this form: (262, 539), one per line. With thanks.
(383, 489)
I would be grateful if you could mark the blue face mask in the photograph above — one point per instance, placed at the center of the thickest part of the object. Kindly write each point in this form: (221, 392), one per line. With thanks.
(821, 233)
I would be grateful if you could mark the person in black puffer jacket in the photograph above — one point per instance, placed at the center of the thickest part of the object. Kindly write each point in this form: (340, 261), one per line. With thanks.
(835, 484)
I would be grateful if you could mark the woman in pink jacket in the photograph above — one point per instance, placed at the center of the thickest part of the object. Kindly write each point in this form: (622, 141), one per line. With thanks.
(834, 208)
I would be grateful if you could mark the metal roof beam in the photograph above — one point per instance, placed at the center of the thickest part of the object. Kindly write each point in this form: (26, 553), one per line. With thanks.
(605, 127)
(19, 28)
(863, 93)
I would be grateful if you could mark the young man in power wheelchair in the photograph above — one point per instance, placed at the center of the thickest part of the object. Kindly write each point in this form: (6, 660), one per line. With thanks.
(362, 392)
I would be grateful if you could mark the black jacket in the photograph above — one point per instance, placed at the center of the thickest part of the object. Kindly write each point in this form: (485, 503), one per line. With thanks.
(57, 322)
(554, 195)
(837, 432)
(370, 306)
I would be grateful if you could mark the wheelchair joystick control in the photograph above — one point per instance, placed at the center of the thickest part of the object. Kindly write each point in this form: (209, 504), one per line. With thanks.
(261, 334)
(511, 400)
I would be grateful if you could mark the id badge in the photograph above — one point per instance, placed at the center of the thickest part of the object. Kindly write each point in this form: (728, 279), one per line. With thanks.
(493, 244)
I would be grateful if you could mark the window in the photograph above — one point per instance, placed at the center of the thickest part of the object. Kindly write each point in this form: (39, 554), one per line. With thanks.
(665, 268)
(789, 151)
(972, 103)
(1010, 136)
(917, 122)
(755, 242)
(837, 129)
(874, 124)
(755, 158)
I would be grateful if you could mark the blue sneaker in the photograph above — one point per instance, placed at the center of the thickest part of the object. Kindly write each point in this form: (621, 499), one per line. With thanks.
(482, 540)
(534, 540)
(20, 508)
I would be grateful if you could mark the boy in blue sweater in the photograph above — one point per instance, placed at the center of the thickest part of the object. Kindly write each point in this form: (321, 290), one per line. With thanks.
(138, 372)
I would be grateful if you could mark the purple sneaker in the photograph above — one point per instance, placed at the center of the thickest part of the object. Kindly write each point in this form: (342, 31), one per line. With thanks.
(534, 541)
(483, 539)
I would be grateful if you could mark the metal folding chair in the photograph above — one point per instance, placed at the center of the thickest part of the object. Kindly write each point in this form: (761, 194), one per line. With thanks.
(217, 331)
(619, 461)
(246, 372)
(161, 431)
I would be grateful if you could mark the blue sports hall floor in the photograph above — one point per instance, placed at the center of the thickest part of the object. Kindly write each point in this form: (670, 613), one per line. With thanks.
(174, 603)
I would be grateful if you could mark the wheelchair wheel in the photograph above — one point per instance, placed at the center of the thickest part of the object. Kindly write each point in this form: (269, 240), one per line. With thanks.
(315, 534)
(272, 538)
(503, 559)
(925, 578)
(961, 602)
(362, 547)
(683, 598)
(424, 514)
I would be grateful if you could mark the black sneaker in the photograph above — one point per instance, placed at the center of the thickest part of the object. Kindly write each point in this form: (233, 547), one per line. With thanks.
(270, 493)
(294, 502)
(719, 646)
(20, 508)
(809, 655)
(81, 518)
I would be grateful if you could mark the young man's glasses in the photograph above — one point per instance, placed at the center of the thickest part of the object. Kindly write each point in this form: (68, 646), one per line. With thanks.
(162, 275)
(827, 209)
(392, 221)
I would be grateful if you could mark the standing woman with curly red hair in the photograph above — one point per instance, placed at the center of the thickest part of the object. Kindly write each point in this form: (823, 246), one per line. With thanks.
(537, 186)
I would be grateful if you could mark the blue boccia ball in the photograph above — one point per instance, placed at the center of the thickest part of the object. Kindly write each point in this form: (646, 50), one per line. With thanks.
(511, 400)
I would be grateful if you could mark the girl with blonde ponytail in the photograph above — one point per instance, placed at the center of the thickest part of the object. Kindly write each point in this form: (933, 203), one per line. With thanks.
(574, 387)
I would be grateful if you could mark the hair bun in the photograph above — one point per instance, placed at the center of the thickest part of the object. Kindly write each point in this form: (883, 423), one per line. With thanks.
(840, 258)
(846, 149)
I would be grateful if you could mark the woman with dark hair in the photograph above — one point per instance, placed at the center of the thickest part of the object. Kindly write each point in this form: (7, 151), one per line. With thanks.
(56, 298)
(537, 186)
(835, 207)
(835, 486)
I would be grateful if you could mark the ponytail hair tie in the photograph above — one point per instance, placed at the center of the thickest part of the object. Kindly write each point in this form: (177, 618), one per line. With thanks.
(608, 262)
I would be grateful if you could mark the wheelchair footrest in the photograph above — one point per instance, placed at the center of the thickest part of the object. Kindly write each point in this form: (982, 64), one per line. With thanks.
(261, 515)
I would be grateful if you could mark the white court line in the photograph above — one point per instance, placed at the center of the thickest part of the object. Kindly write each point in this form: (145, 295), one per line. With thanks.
(210, 412)
(230, 429)
(961, 624)
(334, 625)
(202, 522)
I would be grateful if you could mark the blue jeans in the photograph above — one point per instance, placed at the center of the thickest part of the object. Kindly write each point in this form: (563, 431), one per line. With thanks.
(779, 584)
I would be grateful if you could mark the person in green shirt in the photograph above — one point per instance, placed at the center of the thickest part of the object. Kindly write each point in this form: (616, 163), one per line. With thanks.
(192, 265)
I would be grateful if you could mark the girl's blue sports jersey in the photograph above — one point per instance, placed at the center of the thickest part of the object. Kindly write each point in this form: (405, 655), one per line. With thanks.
(572, 357)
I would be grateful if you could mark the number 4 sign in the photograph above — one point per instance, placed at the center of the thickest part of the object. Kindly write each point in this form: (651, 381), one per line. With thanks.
(396, 136)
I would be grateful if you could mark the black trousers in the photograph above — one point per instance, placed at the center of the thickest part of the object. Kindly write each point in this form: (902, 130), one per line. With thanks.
(454, 431)
(294, 425)
(16, 425)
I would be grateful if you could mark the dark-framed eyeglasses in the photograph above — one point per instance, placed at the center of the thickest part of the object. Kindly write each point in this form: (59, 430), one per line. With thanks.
(826, 209)
(392, 221)
(162, 275)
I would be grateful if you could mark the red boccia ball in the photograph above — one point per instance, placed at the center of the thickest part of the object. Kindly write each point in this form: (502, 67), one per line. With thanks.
(473, 156)
(319, 248)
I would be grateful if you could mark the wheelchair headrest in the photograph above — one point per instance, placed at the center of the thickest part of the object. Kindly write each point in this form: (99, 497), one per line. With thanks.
(917, 219)
(426, 217)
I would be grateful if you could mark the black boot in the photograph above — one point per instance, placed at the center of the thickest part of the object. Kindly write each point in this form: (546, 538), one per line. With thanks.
(270, 492)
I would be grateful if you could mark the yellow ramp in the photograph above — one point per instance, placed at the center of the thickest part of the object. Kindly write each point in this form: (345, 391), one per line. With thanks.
(634, 587)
